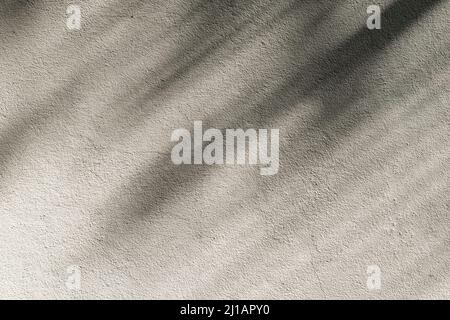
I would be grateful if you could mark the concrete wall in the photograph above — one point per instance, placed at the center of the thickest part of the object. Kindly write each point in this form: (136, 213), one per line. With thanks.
(87, 183)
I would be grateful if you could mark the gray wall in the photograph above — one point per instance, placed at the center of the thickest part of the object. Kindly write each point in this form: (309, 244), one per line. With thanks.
(86, 177)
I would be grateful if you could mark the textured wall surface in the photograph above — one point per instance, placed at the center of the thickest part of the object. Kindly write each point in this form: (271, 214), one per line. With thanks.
(86, 177)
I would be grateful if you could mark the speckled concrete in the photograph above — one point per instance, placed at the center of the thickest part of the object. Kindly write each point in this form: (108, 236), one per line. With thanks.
(86, 177)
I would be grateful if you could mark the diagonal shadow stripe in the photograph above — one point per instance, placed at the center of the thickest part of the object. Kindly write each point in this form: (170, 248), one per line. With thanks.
(334, 67)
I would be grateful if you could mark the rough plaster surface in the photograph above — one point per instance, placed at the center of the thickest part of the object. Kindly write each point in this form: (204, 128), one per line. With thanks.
(86, 177)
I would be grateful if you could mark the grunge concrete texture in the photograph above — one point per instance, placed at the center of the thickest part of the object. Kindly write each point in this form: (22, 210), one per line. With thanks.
(86, 177)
